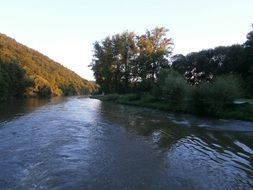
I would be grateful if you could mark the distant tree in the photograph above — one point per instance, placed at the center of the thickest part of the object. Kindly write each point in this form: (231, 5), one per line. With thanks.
(249, 61)
(125, 52)
(204, 65)
(154, 49)
(180, 63)
(104, 65)
(198, 66)
(13, 80)
(124, 61)
(249, 43)
(234, 61)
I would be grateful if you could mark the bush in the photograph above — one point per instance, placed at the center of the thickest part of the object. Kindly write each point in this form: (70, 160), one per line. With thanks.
(147, 98)
(249, 82)
(171, 86)
(128, 97)
(213, 98)
(110, 97)
(45, 91)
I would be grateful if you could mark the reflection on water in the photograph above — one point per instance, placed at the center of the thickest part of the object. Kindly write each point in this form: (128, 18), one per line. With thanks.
(19, 107)
(80, 143)
(217, 152)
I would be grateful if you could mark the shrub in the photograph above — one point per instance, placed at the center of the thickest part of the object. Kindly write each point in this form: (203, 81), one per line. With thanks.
(171, 86)
(249, 82)
(214, 97)
(110, 97)
(147, 98)
(45, 91)
(129, 97)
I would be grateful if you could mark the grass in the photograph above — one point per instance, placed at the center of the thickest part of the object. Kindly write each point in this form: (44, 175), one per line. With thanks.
(237, 111)
(242, 112)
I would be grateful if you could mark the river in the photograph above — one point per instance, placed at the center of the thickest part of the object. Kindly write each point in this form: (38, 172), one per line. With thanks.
(82, 143)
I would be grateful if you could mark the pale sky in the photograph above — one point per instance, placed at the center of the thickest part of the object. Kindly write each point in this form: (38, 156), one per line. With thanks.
(65, 30)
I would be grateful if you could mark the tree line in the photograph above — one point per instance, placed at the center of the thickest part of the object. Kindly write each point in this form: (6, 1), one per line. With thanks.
(127, 62)
(205, 82)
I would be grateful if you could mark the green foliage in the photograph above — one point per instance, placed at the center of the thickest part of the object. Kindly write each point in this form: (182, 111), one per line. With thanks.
(173, 86)
(49, 77)
(129, 97)
(44, 91)
(13, 81)
(146, 97)
(202, 66)
(213, 98)
(249, 81)
(244, 112)
(127, 62)
(204, 83)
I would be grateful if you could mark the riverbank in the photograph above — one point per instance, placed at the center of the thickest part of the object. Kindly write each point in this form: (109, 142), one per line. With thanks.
(242, 111)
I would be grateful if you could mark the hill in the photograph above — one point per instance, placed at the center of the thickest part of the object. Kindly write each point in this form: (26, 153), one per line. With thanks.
(34, 74)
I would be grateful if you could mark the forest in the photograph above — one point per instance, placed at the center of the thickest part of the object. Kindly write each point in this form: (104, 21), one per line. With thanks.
(205, 82)
(25, 72)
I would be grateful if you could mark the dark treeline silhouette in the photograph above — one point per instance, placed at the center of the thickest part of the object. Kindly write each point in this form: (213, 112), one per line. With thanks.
(26, 72)
(206, 64)
(205, 82)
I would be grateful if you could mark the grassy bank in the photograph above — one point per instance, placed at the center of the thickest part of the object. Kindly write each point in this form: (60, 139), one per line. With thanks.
(235, 111)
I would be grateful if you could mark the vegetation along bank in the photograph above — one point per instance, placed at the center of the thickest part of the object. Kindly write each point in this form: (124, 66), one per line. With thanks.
(140, 70)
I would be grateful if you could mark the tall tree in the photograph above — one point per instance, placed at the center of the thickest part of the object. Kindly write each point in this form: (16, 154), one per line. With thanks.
(125, 60)
(249, 61)
(249, 42)
(125, 52)
(154, 49)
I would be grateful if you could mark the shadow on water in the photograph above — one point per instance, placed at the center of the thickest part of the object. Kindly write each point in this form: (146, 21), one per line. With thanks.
(18, 107)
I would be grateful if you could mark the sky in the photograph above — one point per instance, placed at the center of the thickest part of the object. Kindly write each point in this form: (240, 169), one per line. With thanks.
(65, 30)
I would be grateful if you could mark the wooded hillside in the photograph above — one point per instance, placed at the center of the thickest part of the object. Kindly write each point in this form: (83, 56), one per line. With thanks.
(43, 76)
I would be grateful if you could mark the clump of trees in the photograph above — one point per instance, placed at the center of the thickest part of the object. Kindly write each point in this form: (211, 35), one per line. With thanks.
(127, 62)
(198, 67)
(205, 82)
(49, 78)
(13, 81)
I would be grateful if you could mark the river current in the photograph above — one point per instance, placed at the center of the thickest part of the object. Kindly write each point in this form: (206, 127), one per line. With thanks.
(82, 143)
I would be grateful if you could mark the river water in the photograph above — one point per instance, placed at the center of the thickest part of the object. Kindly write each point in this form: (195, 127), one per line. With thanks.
(81, 143)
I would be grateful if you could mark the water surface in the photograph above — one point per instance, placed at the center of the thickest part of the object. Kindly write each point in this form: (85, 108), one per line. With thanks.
(82, 143)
